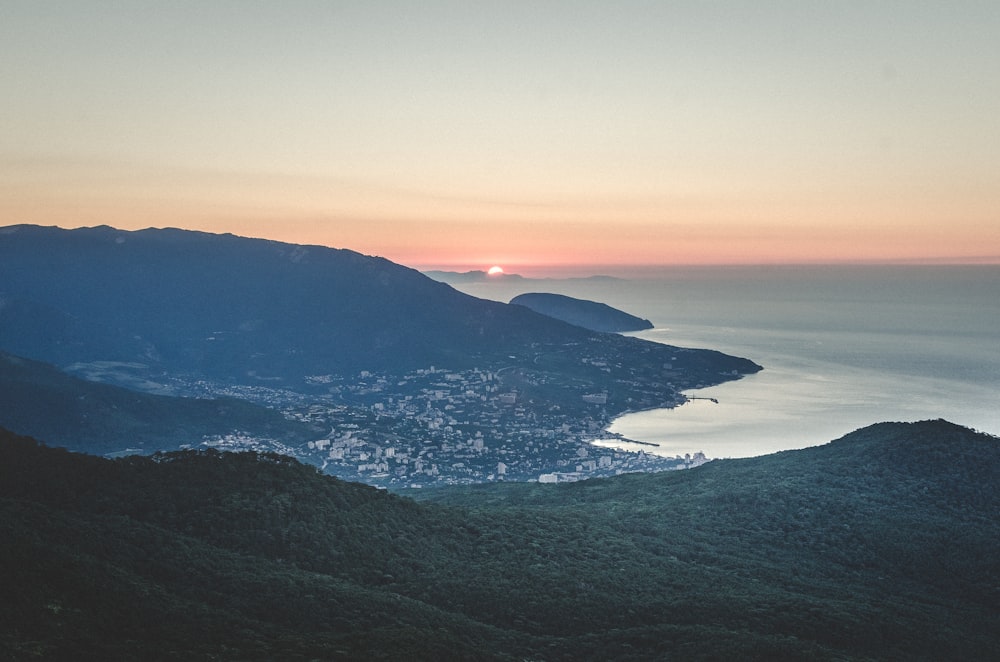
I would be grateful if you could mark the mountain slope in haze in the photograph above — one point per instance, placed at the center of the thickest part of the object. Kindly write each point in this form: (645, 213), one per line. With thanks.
(580, 312)
(880, 545)
(38, 400)
(213, 302)
(243, 310)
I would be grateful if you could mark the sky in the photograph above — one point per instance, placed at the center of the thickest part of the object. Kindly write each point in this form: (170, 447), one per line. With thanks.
(531, 135)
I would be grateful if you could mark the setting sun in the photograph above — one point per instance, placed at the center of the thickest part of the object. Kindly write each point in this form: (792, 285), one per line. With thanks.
(495, 271)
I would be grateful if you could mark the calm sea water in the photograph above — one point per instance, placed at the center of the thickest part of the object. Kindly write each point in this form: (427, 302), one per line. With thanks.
(842, 348)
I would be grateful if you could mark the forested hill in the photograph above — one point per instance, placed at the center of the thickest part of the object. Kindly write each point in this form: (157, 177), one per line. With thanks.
(880, 545)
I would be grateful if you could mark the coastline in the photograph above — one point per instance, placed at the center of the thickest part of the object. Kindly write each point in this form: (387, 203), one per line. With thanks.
(607, 435)
(838, 353)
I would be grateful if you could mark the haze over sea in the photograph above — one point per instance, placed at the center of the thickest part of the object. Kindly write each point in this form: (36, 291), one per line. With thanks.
(842, 347)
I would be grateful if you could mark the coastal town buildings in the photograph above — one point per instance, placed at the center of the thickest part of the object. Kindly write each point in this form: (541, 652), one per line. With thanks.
(433, 427)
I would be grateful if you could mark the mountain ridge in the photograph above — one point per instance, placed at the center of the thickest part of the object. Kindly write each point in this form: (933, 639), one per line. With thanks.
(230, 308)
(163, 273)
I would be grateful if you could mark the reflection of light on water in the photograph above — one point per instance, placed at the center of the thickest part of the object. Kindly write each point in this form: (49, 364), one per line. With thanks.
(792, 404)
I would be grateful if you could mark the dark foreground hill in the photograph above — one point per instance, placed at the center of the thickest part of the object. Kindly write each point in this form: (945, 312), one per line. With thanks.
(880, 545)
(580, 312)
(38, 400)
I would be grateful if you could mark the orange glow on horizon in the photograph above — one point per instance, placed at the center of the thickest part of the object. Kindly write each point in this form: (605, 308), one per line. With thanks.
(565, 236)
(556, 258)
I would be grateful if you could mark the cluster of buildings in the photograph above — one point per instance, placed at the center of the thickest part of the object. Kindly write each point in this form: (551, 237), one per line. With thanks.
(433, 427)
(453, 427)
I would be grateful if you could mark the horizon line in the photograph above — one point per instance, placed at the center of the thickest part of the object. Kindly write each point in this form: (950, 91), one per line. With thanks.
(515, 265)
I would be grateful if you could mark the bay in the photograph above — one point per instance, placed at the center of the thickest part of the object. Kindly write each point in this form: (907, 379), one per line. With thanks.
(842, 347)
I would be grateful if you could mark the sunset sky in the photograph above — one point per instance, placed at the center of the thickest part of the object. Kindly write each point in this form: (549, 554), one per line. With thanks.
(525, 134)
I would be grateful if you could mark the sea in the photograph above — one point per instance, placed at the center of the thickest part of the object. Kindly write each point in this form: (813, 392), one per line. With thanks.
(842, 347)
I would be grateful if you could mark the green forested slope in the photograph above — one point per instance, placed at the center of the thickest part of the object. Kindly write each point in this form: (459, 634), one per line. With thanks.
(881, 545)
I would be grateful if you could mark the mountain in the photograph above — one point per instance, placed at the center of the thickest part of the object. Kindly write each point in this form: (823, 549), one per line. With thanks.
(41, 401)
(580, 312)
(170, 303)
(880, 545)
(228, 307)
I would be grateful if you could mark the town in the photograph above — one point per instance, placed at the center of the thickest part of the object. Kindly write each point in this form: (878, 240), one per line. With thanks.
(439, 427)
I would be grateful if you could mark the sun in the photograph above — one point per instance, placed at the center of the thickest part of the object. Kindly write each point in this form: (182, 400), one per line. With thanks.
(495, 271)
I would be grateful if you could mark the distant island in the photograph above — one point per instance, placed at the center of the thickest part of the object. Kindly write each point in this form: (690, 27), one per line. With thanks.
(581, 312)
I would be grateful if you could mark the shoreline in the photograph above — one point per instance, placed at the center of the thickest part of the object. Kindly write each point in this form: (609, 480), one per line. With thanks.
(618, 435)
